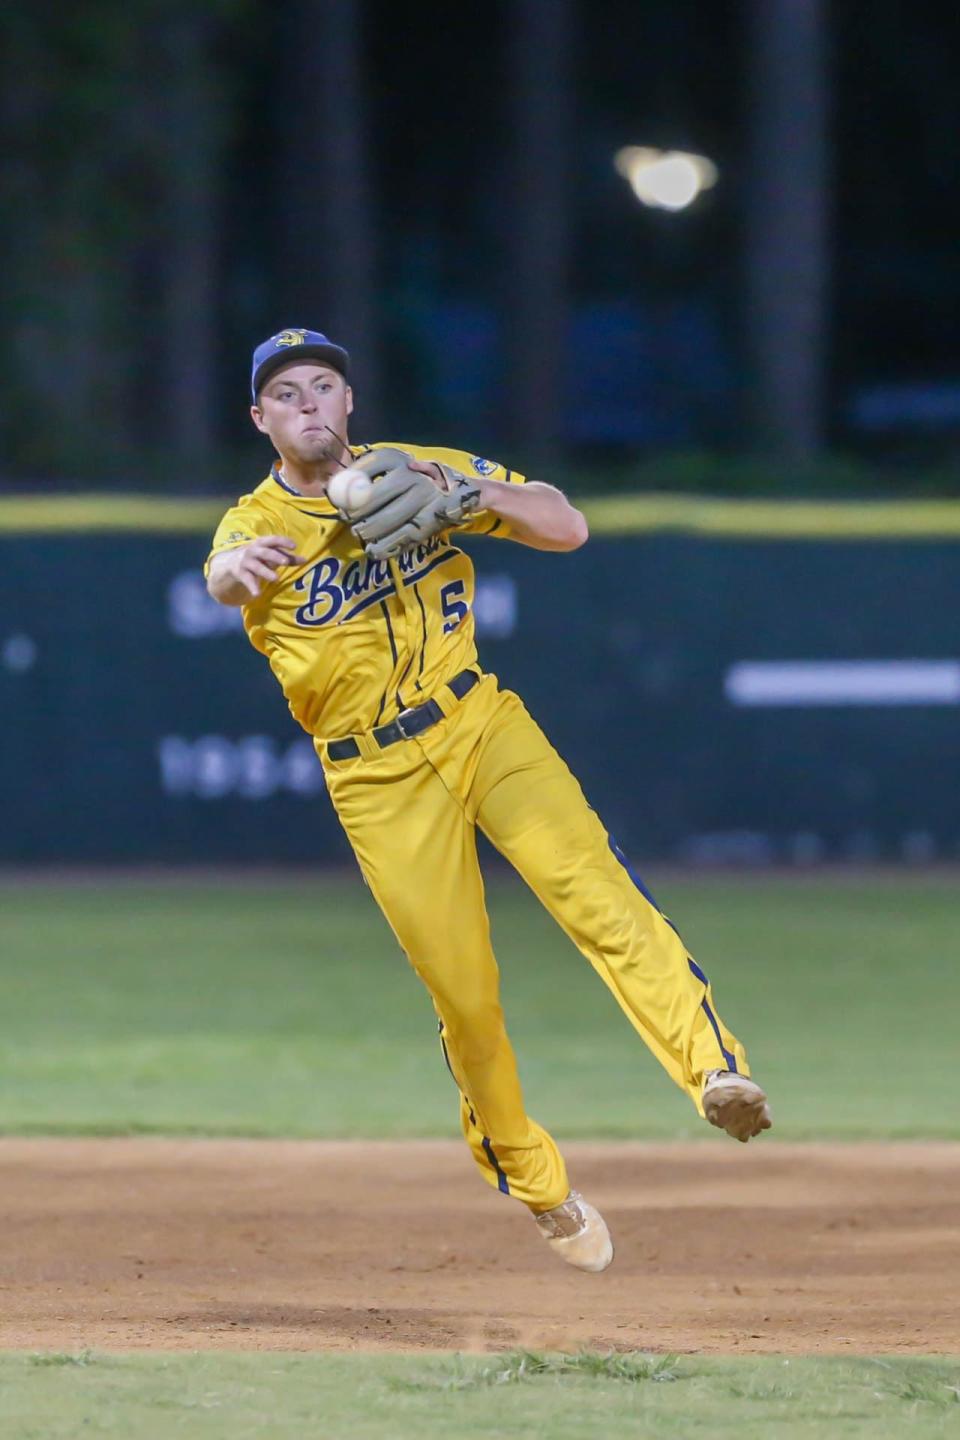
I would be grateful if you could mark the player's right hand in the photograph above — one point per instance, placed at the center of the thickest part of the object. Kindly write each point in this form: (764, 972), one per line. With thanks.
(256, 561)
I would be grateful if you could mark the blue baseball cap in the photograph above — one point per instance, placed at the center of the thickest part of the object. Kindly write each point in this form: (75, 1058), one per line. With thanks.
(294, 344)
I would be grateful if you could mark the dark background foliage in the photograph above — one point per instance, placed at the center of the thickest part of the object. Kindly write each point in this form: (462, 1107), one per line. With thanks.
(433, 185)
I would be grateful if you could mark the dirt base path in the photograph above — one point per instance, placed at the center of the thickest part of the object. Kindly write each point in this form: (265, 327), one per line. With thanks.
(180, 1244)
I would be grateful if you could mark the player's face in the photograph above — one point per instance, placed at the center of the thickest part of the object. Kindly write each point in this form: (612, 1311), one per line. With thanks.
(299, 407)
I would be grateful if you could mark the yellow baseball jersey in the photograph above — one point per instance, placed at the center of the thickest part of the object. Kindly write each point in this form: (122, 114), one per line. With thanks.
(352, 640)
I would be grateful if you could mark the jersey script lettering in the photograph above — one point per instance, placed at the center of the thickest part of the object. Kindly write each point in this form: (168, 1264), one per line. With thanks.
(331, 585)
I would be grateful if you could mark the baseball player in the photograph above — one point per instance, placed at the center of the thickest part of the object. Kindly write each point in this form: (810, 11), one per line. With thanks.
(348, 567)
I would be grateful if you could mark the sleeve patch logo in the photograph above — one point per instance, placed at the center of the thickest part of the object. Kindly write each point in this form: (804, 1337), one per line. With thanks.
(483, 467)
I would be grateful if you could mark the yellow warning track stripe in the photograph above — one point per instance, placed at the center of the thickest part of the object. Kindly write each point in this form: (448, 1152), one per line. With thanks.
(774, 519)
(608, 515)
(92, 513)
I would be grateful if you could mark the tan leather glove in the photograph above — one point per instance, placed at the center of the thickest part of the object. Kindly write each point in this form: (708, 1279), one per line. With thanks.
(406, 507)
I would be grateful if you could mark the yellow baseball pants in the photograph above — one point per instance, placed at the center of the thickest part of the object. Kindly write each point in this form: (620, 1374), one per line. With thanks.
(411, 811)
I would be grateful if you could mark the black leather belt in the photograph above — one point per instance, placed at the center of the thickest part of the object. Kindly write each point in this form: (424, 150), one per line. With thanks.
(408, 723)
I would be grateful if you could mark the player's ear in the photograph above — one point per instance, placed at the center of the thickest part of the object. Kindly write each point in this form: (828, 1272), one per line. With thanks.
(256, 415)
(349, 397)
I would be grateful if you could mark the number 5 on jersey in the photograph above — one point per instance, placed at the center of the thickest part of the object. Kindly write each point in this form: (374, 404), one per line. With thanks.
(454, 608)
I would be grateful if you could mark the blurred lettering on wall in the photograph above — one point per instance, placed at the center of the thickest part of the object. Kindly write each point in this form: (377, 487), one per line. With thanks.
(722, 698)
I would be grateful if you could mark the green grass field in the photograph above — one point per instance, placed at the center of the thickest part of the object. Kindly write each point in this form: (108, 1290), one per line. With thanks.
(284, 1008)
(522, 1396)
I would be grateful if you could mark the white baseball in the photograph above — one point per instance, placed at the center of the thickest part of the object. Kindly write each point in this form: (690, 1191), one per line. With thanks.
(349, 489)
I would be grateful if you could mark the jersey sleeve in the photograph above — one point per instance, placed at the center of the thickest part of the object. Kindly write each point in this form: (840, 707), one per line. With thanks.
(242, 523)
(482, 523)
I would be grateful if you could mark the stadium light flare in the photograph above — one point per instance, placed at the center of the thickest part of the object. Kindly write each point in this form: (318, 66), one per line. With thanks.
(665, 179)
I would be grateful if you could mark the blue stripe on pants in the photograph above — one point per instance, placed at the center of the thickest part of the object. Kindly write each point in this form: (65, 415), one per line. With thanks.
(503, 1184)
(730, 1060)
(647, 894)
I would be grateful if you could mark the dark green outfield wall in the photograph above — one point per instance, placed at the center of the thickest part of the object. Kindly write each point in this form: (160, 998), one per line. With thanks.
(140, 726)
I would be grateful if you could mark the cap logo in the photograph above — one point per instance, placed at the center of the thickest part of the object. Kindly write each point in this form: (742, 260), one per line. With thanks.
(289, 337)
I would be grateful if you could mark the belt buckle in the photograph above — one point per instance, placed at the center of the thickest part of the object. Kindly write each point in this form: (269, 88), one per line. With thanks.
(409, 710)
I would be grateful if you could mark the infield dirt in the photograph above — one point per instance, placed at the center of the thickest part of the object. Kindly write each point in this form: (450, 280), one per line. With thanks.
(126, 1244)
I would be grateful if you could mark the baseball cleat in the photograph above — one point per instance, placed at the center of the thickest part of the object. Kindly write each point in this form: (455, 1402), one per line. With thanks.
(578, 1233)
(735, 1103)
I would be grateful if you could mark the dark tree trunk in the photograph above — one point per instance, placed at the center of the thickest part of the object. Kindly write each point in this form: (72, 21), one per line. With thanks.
(541, 33)
(328, 258)
(786, 248)
(191, 178)
(26, 326)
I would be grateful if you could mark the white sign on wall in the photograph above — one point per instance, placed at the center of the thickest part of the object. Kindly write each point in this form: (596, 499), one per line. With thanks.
(255, 767)
(843, 682)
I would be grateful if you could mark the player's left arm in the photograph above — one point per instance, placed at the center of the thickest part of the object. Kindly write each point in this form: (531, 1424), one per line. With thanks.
(536, 514)
(528, 511)
(508, 506)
